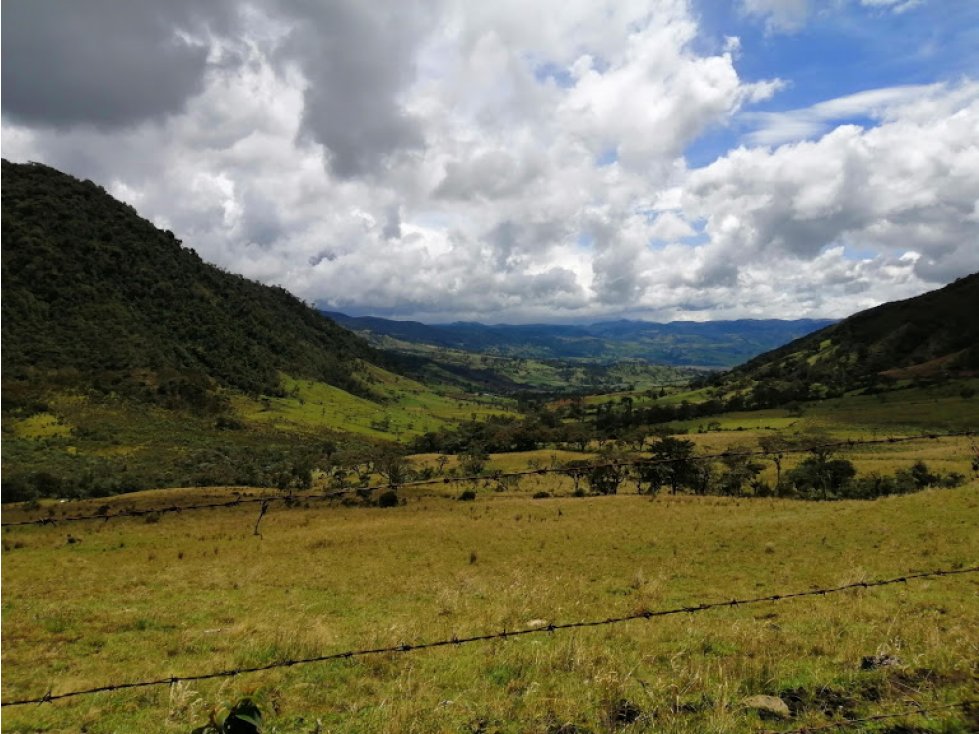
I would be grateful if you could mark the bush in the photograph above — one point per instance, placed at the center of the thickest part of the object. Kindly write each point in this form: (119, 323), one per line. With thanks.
(761, 488)
(822, 476)
(541, 495)
(467, 496)
(388, 499)
(951, 480)
(18, 488)
(228, 423)
(605, 479)
(243, 718)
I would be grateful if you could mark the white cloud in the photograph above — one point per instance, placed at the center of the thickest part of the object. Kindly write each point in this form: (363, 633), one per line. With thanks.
(897, 6)
(779, 15)
(789, 16)
(776, 128)
(908, 184)
(515, 162)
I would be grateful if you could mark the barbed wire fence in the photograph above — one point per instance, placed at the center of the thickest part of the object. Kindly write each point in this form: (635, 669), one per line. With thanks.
(504, 634)
(294, 499)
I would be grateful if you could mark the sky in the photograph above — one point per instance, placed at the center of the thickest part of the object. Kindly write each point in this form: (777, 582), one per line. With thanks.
(515, 161)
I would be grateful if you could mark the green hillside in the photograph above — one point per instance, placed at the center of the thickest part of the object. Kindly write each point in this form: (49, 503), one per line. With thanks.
(932, 336)
(99, 295)
(130, 363)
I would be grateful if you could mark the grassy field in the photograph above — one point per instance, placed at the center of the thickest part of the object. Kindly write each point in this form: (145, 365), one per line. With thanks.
(113, 444)
(941, 405)
(404, 409)
(93, 603)
(199, 592)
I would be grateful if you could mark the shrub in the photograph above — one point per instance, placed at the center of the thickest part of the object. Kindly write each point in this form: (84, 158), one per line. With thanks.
(467, 496)
(18, 488)
(541, 495)
(605, 479)
(228, 423)
(761, 488)
(388, 499)
(921, 475)
(821, 475)
(242, 718)
(951, 480)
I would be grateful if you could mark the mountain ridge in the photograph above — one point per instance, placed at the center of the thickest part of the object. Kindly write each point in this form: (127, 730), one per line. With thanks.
(935, 334)
(679, 343)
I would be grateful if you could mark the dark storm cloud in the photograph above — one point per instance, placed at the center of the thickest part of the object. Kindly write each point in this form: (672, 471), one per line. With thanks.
(357, 57)
(102, 62)
(110, 64)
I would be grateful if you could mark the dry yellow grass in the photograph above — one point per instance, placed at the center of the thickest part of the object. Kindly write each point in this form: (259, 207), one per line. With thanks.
(199, 592)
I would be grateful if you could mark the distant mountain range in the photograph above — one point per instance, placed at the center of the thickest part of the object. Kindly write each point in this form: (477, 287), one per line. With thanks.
(717, 344)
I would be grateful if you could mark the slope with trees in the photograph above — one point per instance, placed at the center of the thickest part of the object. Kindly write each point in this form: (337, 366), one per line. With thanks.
(91, 289)
(932, 336)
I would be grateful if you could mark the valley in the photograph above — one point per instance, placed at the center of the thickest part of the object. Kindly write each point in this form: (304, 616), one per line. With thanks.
(208, 485)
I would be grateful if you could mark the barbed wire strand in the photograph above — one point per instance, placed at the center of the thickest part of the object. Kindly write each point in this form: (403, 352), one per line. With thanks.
(292, 499)
(501, 635)
(846, 723)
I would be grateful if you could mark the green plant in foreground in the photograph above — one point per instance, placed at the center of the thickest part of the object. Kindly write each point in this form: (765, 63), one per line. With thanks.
(243, 717)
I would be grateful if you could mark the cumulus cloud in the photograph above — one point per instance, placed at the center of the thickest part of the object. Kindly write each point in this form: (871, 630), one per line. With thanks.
(908, 185)
(494, 161)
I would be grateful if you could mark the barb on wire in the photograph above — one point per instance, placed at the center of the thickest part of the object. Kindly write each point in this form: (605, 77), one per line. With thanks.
(292, 499)
(501, 635)
(846, 723)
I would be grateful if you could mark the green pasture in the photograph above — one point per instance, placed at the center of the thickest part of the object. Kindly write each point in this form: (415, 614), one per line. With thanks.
(129, 600)
(403, 409)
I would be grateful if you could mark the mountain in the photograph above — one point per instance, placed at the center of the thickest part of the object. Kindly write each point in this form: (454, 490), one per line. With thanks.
(932, 335)
(92, 289)
(681, 343)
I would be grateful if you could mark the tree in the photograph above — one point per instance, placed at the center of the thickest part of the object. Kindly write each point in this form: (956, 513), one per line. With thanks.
(739, 470)
(822, 471)
(391, 464)
(703, 472)
(776, 446)
(605, 478)
(637, 437)
(673, 463)
(473, 459)
(578, 435)
(576, 469)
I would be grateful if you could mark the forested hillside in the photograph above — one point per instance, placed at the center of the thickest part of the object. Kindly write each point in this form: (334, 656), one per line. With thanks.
(930, 336)
(94, 293)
